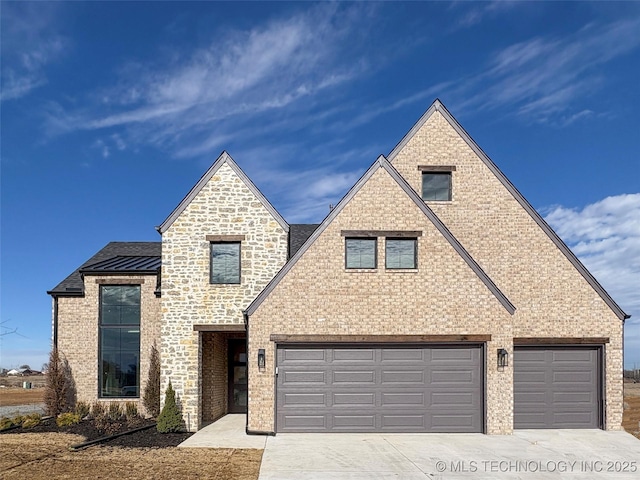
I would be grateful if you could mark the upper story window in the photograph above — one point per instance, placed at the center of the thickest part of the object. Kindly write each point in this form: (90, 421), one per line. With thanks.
(400, 253)
(437, 182)
(119, 341)
(225, 263)
(360, 252)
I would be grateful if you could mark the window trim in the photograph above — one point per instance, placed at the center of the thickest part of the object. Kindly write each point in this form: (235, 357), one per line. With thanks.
(124, 283)
(226, 240)
(375, 252)
(415, 254)
(440, 172)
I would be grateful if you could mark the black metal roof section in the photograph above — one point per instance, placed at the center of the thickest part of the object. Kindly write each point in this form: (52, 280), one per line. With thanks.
(73, 285)
(222, 159)
(125, 264)
(437, 106)
(298, 234)
(383, 163)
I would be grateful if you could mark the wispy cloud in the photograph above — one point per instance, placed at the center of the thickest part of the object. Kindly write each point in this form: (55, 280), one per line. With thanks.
(29, 44)
(547, 79)
(481, 10)
(606, 237)
(191, 105)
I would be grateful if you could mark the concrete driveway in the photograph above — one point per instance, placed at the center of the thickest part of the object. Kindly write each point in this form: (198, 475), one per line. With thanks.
(527, 454)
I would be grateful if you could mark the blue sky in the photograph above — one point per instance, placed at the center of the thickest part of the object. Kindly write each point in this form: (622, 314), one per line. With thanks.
(111, 111)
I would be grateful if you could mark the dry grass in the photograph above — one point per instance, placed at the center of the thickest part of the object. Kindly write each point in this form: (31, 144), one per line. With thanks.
(10, 397)
(46, 457)
(631, 417)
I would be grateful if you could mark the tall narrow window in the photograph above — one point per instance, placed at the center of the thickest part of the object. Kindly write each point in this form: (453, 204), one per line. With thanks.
(400, 253)
(436, 186)
(225, 262)
(119, 369)
(360, 252)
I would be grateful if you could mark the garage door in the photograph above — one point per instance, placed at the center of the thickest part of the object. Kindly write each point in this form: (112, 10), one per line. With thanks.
(380, 389)
(556, 387)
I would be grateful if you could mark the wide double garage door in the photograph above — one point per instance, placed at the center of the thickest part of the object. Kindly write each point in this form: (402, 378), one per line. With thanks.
(436, 388)
(557, 387)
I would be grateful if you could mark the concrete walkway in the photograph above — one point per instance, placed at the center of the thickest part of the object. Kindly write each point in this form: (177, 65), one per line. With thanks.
(228, 432)
(527, 454)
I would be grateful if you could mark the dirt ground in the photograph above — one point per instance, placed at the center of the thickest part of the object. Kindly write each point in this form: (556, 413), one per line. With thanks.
(37, 381)
(631, 417)
(45, 457)
(10, 397)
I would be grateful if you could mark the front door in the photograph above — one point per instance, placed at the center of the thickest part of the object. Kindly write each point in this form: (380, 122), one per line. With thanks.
(237, 376)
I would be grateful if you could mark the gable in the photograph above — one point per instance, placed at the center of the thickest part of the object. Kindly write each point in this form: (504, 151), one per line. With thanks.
(380, 200)
(492, 219)
(223, 160)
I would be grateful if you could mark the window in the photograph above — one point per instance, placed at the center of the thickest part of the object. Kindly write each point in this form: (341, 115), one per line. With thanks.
(119, 341)
(400, 252)
(436, 186)
(360, 252)
(225, 262)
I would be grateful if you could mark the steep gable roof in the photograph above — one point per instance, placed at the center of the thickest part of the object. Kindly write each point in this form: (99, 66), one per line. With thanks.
(73, 285)
(222, 159)
(383, 163)
(437, 106)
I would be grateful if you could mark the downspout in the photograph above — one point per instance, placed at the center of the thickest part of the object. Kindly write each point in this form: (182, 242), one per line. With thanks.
(55, 322)
(246, 428)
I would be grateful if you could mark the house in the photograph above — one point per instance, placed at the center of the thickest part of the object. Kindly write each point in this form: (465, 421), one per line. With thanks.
(432, 298)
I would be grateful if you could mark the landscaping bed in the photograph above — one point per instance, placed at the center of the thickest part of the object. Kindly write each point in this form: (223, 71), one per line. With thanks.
(90, 430)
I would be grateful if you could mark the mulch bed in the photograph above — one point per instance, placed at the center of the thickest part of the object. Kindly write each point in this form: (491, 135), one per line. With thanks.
(87, 428)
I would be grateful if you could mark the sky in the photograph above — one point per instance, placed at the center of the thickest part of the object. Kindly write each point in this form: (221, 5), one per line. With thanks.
(111, 111)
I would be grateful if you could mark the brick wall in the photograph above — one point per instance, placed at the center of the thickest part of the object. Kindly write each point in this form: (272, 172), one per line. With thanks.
(442, 296)
(224, 206)
(78, 330)
(551, 296)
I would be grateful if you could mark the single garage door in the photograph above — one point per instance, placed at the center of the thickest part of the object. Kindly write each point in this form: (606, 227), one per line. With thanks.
(380, 389)
(556, 387)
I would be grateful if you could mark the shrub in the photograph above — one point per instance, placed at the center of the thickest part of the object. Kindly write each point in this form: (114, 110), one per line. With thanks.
(82, 409)
(170, 419)
(31, 420)
(60, 392)
(66, 419)
(97, 410)
(18, 419)
(130, 411)
(114, 412)
(151, 396)
(5, 423)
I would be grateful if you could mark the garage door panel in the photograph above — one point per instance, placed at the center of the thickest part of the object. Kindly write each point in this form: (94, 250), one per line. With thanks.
(353, 355)
(308, 356)
(456, 355)
(367, 377)
(380, 389)
(556, 387)
(402, 354)
(392, 377)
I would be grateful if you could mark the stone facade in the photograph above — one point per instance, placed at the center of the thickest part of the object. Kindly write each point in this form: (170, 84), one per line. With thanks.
(78, 330)
(225, 205)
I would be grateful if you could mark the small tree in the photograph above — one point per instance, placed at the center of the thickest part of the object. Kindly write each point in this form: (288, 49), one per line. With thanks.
(170, 419)
(151, 397)
(59, 394)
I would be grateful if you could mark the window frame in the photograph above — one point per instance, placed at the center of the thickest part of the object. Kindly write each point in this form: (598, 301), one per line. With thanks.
(225, 242)
(401, 239)
(449, 174)
(118, 326)
(374, 240)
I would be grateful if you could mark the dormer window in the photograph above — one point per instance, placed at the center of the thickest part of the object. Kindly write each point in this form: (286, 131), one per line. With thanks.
(436, 183)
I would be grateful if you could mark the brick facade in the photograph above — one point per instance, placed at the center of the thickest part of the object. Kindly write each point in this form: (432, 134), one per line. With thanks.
(78, 329)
